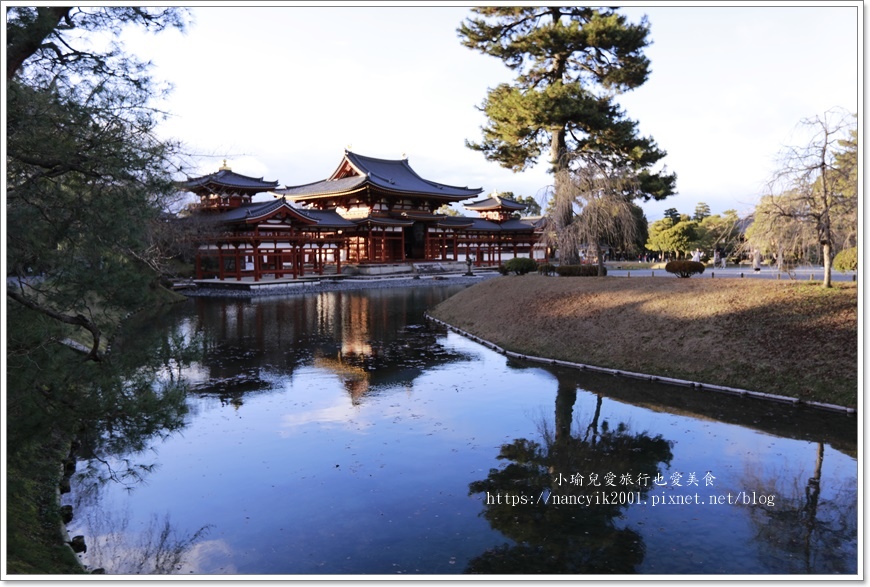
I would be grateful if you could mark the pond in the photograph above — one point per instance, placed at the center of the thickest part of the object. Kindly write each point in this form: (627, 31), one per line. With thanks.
(341, 433)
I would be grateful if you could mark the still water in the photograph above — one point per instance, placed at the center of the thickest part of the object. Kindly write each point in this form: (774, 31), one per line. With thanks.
(341, 433)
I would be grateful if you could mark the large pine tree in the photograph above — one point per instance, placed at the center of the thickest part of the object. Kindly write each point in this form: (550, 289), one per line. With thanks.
(571, 63)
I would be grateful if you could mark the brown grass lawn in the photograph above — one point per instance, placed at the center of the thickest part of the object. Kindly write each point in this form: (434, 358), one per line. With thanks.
(787, 338)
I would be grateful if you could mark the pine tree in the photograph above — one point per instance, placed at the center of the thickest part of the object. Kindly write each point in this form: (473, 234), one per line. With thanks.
(570, 63)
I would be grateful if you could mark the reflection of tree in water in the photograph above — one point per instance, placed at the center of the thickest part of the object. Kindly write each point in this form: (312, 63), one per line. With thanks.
(804, 532)
(554, 538)
(136, 398)
(118, 549)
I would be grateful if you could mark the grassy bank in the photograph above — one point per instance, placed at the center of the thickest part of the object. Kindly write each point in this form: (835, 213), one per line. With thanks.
(34, 539)
(795, 339)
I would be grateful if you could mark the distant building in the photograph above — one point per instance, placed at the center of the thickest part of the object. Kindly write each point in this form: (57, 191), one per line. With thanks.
(368, 212)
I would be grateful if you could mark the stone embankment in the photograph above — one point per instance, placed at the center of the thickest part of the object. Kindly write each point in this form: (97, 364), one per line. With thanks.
(348, 284)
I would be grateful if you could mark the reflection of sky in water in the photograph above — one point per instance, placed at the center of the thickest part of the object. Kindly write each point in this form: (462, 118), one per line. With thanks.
(305, 476)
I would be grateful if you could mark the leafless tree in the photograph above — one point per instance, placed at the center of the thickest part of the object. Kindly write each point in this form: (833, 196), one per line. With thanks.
(810, 188)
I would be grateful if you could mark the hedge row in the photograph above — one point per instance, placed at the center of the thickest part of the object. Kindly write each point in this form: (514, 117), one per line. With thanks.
(579, 270)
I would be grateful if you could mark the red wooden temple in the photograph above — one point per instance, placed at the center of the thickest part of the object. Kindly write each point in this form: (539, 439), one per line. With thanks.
(368, 212)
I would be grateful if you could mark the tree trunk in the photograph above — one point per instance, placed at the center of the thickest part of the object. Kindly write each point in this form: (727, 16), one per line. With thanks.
(600, 254)
(22, 44)
(564, 208)
(826, 257)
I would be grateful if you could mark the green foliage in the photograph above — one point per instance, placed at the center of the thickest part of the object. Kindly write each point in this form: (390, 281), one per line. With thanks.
(673, 214)
(570, 64)
(685, 268)
(533, 208)
(846, 260)
(668, 236)
(719, 232)
(579, 270)
(448, 210)
(87, 182)
(521, 265)
(702, 211)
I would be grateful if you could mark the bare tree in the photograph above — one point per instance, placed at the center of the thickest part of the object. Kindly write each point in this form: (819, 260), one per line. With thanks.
(782, 236)
(811, 188)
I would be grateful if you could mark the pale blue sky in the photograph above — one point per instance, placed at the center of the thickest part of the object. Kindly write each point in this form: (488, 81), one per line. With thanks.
(281, 91)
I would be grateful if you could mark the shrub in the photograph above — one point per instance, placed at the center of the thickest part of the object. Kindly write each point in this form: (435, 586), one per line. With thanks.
(846, 260)
(546, 269)
(521, 265)
(684, 268)
(579, 270)
(502, 269)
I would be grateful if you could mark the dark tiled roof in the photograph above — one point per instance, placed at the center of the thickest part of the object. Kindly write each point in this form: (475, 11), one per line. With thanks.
(396, 174)
(246, 211)
(495, 203)
(325, 187)
(386, 174)
(483, 224)
(328, 218)
(378, 221)
(518, 224)
(228, 180)
(319, 218)
(455, 222)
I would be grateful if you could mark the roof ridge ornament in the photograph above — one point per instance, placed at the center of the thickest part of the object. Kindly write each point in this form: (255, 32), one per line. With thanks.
(224, 167)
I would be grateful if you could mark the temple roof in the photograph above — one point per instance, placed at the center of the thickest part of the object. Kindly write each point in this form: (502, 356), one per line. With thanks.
(484, 225)
(495, 202)
(392, 175)
(226, 179)
(260, 211)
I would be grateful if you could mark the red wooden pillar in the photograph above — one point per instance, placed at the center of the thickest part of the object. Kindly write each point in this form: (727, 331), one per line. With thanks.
(320, 259)
(402, 245)
(257, 261)
(221, 275)
(294, 260)
(238, 265)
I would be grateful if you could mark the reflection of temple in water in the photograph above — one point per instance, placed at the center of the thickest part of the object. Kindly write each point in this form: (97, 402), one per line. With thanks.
(360, 337)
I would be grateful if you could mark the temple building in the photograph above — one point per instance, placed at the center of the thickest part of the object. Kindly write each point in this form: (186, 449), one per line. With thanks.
(370, 212)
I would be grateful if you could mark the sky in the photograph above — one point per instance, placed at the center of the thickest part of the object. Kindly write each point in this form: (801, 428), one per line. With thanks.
(280, 91)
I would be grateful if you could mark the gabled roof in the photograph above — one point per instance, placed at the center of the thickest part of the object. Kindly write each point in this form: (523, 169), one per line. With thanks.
(227, 179)
(484, 225)
(393, 175)
(495, 203)
(261, 211)
(329, 187)
(455, 222)
(252, 213)
(329, 218)
(518, 224)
